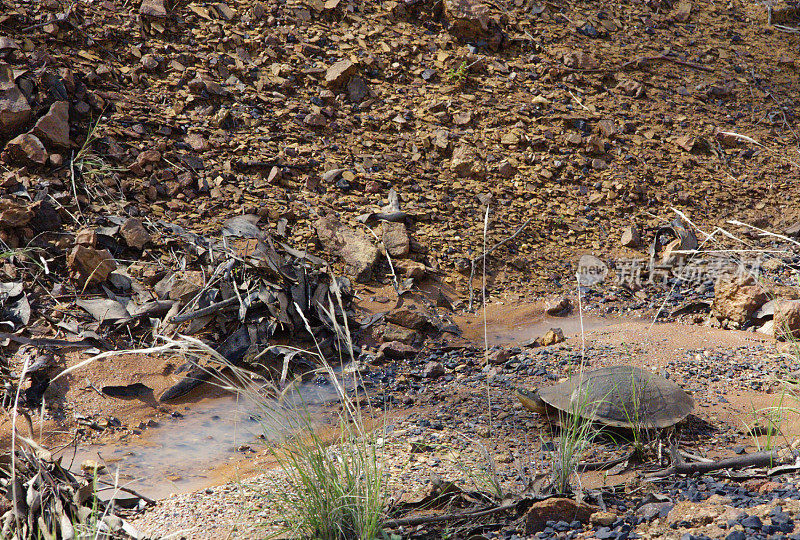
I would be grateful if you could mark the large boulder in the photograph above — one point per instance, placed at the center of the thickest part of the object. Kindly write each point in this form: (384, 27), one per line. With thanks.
(737, 298)
(556, 509)
(354, 247)
(786, 321)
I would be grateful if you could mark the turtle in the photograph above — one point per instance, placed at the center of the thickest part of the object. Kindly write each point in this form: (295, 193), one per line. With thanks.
(617, 396)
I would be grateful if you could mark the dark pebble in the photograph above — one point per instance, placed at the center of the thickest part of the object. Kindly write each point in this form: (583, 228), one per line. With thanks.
(752, 522)
(603, 533)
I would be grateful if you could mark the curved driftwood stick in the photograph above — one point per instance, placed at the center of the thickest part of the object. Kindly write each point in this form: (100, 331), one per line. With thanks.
(757, 459)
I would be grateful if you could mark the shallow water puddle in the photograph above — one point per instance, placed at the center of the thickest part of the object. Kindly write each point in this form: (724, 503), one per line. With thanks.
(518, 324)
(181, 452)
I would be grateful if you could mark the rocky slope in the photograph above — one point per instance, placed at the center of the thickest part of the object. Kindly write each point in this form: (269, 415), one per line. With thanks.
(582, 118)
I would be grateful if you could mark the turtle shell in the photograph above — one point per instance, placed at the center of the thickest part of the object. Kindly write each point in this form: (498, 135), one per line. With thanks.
(621, 396)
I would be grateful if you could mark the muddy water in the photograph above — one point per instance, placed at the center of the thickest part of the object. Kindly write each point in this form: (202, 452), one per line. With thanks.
(185, 452)
(517, 324)
(180, 453)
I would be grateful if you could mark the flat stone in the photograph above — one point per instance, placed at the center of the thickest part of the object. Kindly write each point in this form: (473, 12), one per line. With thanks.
(331, 176)
(25, 149)
(395, 238)
(339, 73)
(393, 332)
(408, 317)
(14, 214)
(396, 349)
(53, 128)
(134, 233)
(603, 518)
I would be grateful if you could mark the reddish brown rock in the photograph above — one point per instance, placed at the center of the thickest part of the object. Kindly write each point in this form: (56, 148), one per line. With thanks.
(15, 111)
(354, 247)
(408, 317)
(339, 73)
(737, 299)
(395, 238)
(630, 236)
(469, 18)
(558, 306)
(412, 269)
(89, 265)
(154, 8)
(556, 509)
(53, 128)
(134, 233)
(86, 237)
(25, 149)
(395, 349)
(393, 332)
(433, 370)
(14, 214)
(786, 321)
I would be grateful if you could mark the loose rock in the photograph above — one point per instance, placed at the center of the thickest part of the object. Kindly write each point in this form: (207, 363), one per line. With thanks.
(556, 509)
(25, 149)
(15, 111)
(53, 128)
(354, 247)
(737, 299)
(90, 265)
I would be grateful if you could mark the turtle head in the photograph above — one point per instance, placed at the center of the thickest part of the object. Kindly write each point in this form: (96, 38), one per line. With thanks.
(530, 400)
